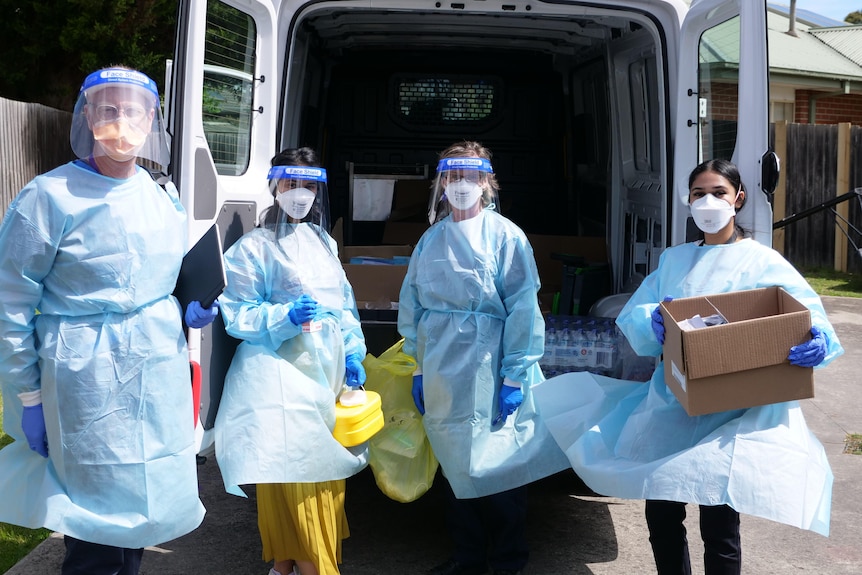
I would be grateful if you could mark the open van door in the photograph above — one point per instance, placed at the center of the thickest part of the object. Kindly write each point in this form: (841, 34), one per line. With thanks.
(221, 114)
(723, 105)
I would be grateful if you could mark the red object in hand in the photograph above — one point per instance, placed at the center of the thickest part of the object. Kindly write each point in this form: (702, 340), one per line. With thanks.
(196, 390)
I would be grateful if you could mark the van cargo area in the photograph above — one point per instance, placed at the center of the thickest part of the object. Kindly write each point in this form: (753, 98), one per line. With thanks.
(381, 92)
(595, 112)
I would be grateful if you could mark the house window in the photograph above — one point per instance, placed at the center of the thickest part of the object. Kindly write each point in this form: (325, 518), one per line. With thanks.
(779, 111)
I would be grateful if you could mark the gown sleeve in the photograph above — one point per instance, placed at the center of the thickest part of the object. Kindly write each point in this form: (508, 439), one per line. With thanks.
(246, 312)
(524, 329)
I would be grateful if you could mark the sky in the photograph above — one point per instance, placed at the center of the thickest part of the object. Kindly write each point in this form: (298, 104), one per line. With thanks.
(835, 9)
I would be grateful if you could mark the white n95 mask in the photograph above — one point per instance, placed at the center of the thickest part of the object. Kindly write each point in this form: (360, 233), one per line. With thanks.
(463, 195)
(711, 214)
(296, 202)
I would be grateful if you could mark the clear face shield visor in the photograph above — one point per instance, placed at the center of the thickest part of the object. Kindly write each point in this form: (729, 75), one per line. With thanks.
(300, 196)
(118, 115)
(462, 187)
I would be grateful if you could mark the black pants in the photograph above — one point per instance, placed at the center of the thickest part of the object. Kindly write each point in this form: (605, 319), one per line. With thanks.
(719, 529)
(85, 558)
(489, 529)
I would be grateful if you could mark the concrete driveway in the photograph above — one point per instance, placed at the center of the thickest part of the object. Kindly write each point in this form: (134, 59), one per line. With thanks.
(572, 531)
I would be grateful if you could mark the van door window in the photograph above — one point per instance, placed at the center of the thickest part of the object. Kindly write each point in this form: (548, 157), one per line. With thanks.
(446, 101)
(228, 86)
(718, 92)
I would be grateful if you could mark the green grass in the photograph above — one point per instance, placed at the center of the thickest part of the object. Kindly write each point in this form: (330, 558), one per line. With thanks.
(16, 542)
(832, 283)
(853, 444)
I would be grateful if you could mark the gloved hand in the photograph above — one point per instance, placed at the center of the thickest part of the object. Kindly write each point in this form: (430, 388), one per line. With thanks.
(198, 316)
(418, 393)
(33, 424)
(658, 321)
(355, 370)
(811, 352)
(510, 399)
(304, 309)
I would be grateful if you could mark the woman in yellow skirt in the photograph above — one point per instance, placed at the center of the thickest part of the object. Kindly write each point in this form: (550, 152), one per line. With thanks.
(290, 303)
(305, 521)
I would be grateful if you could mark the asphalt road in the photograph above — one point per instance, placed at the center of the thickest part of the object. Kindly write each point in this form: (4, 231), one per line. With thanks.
(571, 530)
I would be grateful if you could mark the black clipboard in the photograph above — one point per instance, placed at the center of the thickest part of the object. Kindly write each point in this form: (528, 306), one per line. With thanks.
(202, 275)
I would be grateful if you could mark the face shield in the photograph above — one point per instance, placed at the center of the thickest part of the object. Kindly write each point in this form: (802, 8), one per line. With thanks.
(463, 187)
(118, 115)
(300, 198)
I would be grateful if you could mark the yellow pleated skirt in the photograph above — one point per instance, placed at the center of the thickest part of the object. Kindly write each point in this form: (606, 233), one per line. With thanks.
(304, 522)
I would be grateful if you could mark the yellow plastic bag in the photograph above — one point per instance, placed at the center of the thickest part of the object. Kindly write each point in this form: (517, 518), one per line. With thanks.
(399, 455)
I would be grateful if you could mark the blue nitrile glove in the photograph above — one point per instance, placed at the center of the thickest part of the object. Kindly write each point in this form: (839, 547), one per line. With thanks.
(811, 352)
(355, 370)
(418, 393)
(33, 424)
(304, 309)
(197, 316)
(658, 321)
(510, 399)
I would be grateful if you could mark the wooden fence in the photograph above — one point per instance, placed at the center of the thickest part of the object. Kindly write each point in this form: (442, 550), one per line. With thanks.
(818, 163)
(35, 139)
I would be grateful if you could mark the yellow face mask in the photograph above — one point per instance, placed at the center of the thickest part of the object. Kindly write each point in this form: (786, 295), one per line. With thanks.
(119, 140)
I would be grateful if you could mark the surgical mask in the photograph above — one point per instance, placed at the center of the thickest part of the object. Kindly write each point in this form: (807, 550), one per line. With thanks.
(712, 214)
(463, 195)
(296, 202)
(119, 140)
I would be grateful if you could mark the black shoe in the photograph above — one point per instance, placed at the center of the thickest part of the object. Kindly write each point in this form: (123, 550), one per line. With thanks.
(452, 567)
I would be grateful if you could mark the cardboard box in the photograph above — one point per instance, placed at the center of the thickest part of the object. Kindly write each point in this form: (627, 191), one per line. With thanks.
(375, 286)
(592, 249)
(742, 363)
(403, 233)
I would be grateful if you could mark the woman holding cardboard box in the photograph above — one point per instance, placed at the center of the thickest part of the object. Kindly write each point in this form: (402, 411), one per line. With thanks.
(637, 441)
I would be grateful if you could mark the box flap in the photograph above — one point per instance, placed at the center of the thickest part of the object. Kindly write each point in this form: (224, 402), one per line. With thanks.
(375, 287)
(382, 252)
(401, 233)
(759, 334)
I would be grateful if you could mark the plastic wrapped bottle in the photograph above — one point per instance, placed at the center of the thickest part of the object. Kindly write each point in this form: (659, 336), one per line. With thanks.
(564, 358)
(548, 361)
(579, 360)
(589, 346)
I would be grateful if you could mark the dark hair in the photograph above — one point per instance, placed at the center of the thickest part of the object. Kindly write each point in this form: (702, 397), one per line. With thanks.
(728, 171)
(296, 157)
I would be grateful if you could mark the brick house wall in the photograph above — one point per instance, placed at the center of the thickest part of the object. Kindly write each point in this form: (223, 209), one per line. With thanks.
(831, 110)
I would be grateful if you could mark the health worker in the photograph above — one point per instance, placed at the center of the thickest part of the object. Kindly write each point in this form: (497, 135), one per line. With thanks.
(635, 440)
(469, 313)
(289, 302)
(93, 359)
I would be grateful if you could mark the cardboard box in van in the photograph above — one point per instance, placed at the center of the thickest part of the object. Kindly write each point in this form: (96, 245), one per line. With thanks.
(376, 274)
(742, 363)
(551, 270)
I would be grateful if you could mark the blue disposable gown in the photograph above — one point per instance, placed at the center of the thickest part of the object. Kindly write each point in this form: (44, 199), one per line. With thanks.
(277, 411)
(469, 313)
(99, 258)
(635, 440)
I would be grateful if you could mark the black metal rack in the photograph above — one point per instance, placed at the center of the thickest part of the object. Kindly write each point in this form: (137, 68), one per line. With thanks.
(828, 205)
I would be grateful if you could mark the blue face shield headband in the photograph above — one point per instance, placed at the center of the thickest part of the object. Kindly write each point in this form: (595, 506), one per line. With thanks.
(297, 173)
(480, 164)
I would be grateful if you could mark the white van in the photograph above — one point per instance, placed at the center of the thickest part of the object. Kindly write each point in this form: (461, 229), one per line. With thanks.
(596, 111)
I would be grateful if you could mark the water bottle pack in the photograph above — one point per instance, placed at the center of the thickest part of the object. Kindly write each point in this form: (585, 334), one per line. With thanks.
(580, 343)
